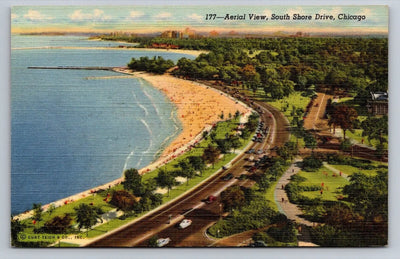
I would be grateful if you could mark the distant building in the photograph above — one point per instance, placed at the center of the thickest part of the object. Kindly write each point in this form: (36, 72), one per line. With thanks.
(214, 33)
(378, 104)
(187, 33)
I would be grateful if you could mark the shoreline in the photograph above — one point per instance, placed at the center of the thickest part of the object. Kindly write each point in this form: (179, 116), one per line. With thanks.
(196, 110)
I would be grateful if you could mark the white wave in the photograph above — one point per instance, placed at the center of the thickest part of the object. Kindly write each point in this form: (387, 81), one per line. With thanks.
(173, 135)
(173, 117)
(150, 142)
(139, 104)
(151, 101)
(147, 127)
(127, 160)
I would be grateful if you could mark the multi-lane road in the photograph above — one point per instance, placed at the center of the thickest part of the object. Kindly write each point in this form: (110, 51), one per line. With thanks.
(163, 221)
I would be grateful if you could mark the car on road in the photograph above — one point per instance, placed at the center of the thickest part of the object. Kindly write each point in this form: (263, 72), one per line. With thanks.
(163, 241)
(227, 177)
(252, 169)
(185, 223)
(210, 199)
(250, 151)
(258, 243)
(260, 151)
(226, 167)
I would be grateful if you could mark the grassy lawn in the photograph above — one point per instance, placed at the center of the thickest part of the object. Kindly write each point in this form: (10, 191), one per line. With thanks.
(357, 136)
(349, 170)
(285, 105)
(96, 199)
(345, 99)
(269, 195)
(331, 185)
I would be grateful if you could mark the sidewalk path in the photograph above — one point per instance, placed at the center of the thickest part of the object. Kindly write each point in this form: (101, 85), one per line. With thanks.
(292, 211)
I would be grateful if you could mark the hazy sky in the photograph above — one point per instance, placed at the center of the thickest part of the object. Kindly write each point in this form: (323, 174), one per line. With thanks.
(159, 18)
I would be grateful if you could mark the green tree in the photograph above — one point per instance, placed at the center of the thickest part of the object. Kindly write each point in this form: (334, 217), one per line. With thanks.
(16, 227)
(343, 116)
(37, 211)
(211, 154)
(165, 179)
(275, 170)
(133, 181)
(51, 208)
(197, 163)
(288, 151)
(153, 241)
(245, 133)
(369, 195)
(375, 128)
(224, 145)
(87, 216)
(186, 169)
(235, 142)
(237, 114)
(264, 182)
(311, 163)
(310, 141)
(285, 233)
(232, 197)
(213, 135)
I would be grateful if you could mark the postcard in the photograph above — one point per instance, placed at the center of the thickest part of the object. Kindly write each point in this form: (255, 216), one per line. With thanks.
(198, 126)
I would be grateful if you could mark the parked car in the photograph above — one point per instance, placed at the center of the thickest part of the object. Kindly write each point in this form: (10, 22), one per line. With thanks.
(185, 223)
(163, 241)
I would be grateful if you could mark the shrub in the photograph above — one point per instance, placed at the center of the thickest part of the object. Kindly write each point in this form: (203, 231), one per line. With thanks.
(345, 145)
(286, 233)
(123, 200)
(58, 224)
(260, 236)
(311, 163)
(256, 214)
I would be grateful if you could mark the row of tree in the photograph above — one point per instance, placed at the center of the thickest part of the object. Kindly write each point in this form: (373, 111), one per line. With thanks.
(157, 65)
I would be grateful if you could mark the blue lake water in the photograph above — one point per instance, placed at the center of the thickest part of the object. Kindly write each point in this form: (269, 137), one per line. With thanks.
(71, 133)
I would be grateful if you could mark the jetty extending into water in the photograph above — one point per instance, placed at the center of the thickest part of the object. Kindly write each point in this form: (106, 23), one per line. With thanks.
(72, 67)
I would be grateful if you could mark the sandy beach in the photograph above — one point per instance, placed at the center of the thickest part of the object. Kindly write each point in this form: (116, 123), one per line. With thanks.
(198, 108)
